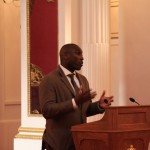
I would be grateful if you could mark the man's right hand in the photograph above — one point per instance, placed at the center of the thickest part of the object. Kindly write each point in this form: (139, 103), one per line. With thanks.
(82, 97)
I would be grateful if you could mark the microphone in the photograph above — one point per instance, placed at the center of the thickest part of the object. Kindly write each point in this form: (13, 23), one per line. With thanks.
(105, 101)
(133, 100)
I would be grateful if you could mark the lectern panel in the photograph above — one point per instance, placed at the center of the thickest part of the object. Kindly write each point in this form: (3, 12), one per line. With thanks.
(121, 128)
(91, 141)
(132, 118)
(89, 144)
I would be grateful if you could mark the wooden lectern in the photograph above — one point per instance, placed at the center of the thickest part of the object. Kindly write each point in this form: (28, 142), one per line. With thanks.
(121, 128)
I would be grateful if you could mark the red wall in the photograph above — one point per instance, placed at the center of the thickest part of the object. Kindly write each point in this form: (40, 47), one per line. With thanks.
(44, 35)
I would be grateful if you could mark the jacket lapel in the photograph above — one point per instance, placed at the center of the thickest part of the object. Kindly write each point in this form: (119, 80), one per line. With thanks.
(65, 81)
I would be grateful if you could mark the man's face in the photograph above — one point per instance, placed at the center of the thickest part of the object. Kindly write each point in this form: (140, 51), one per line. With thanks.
(75, 59)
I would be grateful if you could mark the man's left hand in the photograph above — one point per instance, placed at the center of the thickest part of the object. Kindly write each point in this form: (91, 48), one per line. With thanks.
(105, 101)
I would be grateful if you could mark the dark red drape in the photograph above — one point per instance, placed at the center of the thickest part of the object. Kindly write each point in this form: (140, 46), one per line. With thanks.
(44, 35)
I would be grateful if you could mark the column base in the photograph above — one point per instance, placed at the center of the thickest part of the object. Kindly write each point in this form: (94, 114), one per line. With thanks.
(28, 138)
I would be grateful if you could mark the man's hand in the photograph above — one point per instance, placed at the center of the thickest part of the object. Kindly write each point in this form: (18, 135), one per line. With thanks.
(82, 97)
(105, 101)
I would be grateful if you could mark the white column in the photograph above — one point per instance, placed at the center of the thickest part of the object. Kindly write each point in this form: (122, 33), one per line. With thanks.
(31, 130)
(95, 44)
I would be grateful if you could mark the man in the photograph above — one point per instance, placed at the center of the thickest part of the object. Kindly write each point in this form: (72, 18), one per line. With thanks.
(66, 101)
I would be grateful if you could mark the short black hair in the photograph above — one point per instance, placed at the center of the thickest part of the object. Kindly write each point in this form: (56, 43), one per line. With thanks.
(66, 49)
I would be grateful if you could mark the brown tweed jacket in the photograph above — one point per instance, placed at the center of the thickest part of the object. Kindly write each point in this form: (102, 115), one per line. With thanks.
(56, 95)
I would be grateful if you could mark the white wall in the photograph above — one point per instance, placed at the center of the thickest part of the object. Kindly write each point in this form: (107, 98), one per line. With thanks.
(134, 36)
(10, 73)
(130, 55)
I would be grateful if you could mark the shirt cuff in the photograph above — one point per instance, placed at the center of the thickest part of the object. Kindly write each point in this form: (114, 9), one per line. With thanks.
(75, 106)
(100, 108)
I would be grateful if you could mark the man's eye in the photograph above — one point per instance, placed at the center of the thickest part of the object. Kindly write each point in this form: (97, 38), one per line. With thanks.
(78, 53)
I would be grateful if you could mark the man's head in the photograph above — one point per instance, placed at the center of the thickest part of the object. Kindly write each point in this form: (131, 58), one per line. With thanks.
(71, 57)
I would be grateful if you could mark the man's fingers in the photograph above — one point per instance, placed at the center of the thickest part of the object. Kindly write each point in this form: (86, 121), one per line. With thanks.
(111, 97)
(103, 94)
(90, 94)
(80, 90)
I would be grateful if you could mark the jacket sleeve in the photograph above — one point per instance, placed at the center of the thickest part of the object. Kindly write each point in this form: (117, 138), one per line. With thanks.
(94, 109)
(50, 107)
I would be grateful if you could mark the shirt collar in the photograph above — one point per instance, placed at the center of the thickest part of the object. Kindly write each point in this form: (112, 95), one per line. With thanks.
(66, 71)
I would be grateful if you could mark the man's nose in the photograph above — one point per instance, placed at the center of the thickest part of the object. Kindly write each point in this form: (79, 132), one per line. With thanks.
(82, 57)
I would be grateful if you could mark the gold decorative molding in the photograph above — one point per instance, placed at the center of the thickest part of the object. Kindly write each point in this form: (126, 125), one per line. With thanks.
(50, 1)
(35, 130)
(131, 148)
(34, 115)
(36, 75)
(114, 10)
(23, 136)
(28, 53)
(114, 35)
(114, 3)
(16, 102)
(14, 2)
(29, 4)
(36, 133)
(114, 38)
(10, 1)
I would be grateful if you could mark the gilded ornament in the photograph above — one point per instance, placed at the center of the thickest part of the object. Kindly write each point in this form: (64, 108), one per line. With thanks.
(131, 148)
